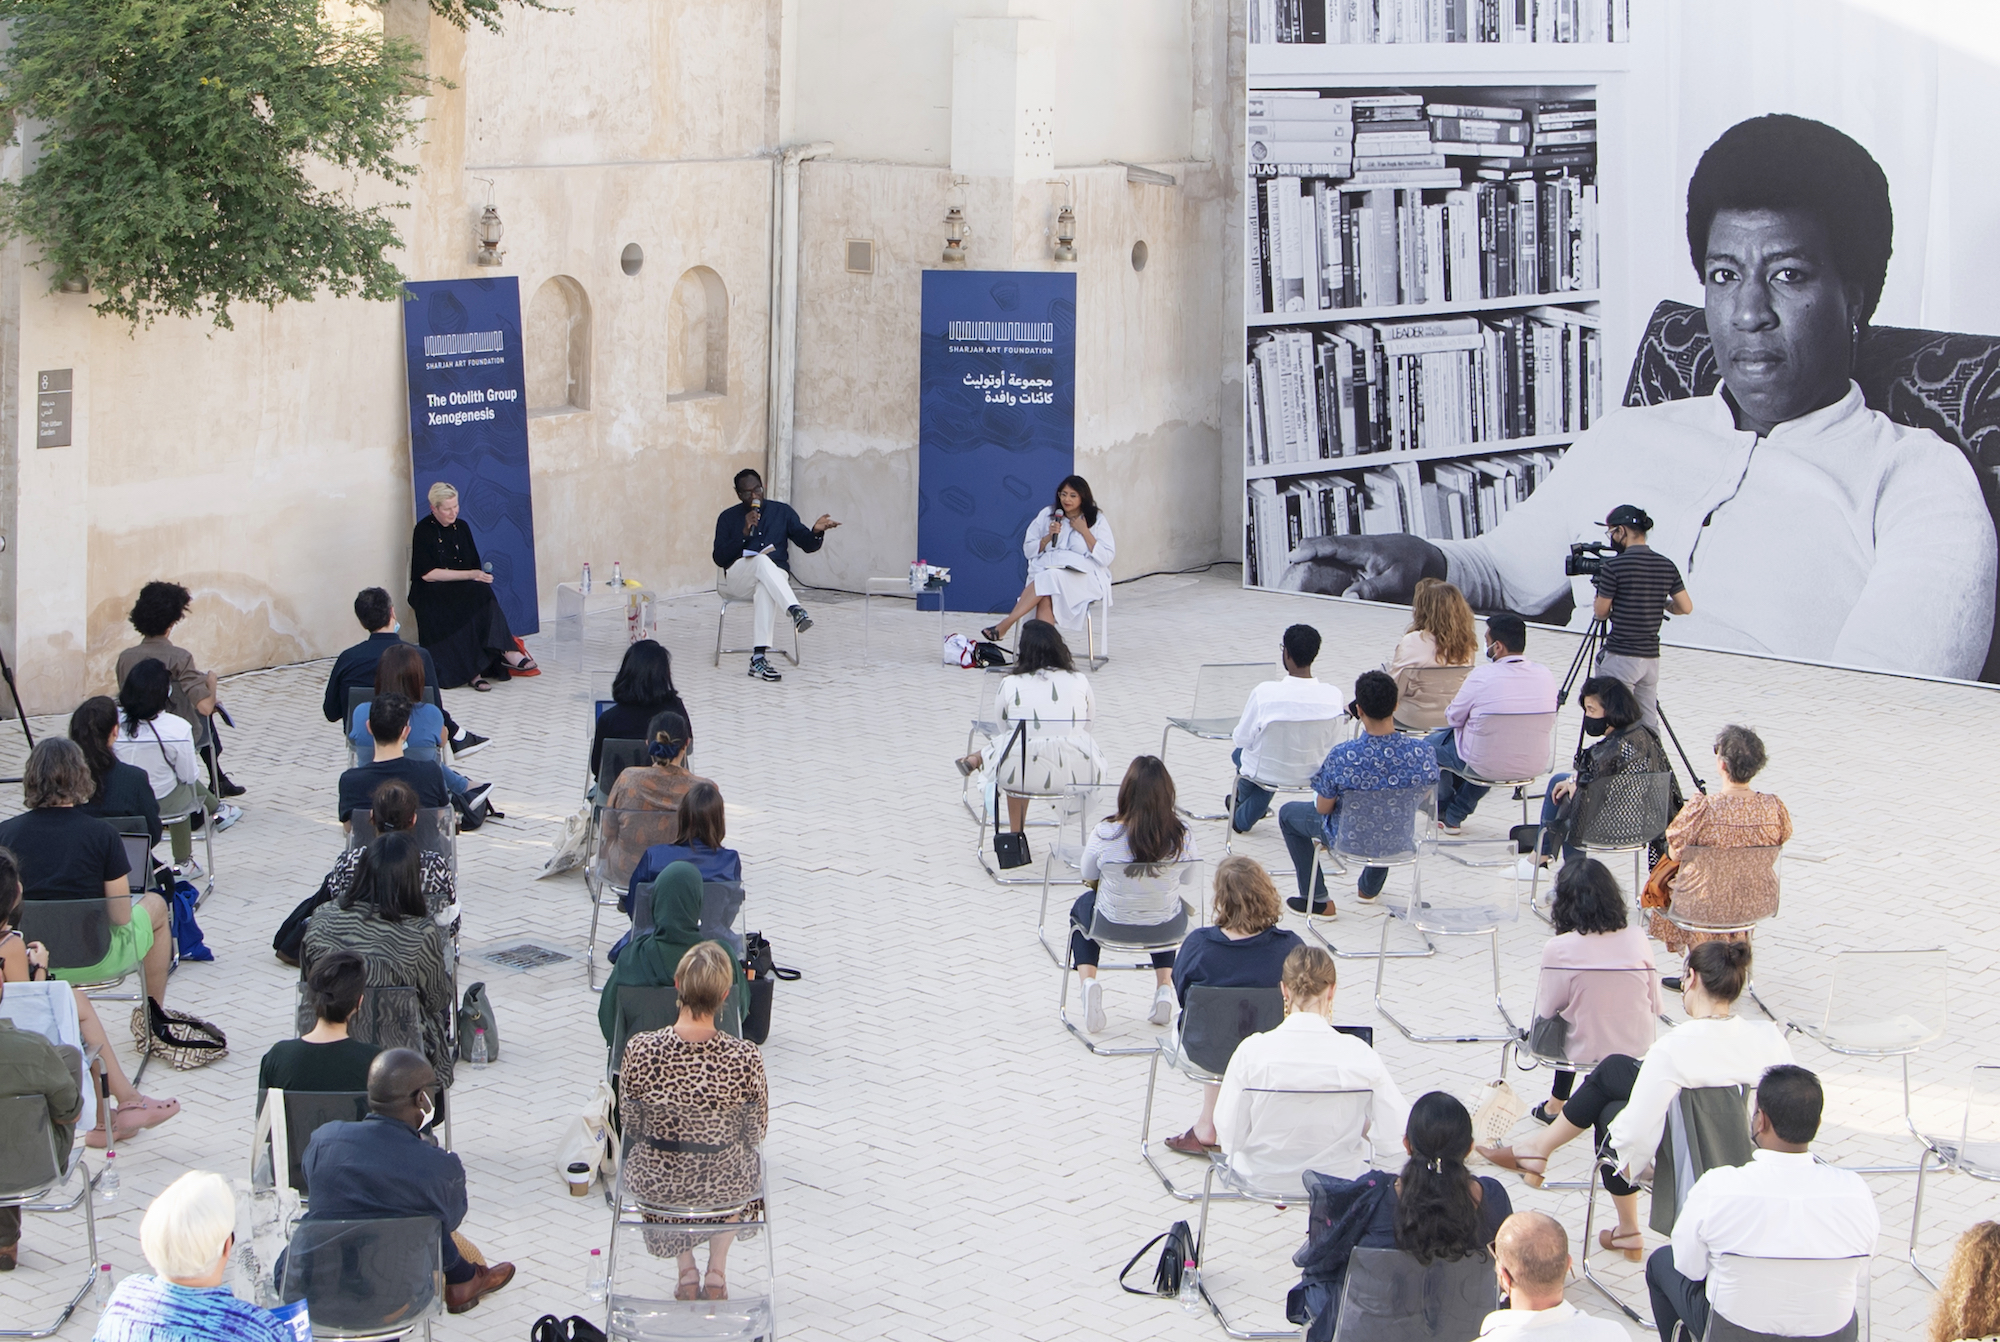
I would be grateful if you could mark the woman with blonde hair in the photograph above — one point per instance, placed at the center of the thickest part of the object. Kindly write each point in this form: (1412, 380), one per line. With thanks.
(1441, 632)
(459, 620)
(1245, 949)
(1968, 1303)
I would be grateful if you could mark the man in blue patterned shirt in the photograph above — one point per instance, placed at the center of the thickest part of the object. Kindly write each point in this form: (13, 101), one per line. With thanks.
(1377, 760)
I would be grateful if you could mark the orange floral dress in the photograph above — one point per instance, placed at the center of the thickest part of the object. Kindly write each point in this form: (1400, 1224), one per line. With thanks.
(1726, 885)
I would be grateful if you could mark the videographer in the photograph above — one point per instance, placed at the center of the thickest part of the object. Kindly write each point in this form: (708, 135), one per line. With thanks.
(1636, 587)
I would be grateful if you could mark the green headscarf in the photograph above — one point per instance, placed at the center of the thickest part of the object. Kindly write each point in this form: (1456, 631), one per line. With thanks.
(651, 957)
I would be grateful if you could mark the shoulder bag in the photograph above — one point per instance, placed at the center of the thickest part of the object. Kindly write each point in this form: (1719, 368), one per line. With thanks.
(475, 1013)
(763, 974)
(1660, 885)
(1177, 1254)
(1010, 850)
(182, 1038)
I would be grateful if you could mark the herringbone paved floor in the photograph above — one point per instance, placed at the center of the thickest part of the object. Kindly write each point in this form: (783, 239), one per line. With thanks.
(948, 1163)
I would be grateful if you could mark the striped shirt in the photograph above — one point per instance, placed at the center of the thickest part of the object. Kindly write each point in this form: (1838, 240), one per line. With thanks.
(1639, 582)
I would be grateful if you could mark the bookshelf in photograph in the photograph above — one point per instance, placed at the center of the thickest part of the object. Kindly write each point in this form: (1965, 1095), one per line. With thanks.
(1337, 22)
(1422, 336)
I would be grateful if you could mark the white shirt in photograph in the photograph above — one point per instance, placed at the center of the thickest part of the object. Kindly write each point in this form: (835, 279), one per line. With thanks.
(1842, 536)
(1304, 1052)
(1727, 1052)
(1564, 1323)
(164, 748)
(1291, 699)
(1108, 845)
(1781, 1205)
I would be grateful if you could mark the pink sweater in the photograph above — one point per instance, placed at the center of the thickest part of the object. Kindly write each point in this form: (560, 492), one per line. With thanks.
(1607, 1013)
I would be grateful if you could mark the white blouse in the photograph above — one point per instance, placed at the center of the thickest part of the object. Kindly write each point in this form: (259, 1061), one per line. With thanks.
(1109, 846)
(1727, 1052)
(164, 748)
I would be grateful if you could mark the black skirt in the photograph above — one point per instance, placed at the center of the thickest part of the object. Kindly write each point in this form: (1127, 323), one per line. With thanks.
(459, 623)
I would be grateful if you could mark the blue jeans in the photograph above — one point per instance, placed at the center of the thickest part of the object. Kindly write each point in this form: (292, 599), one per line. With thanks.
(1456, 797)
(1251, 803)
(1301, 824)
(1550, 808)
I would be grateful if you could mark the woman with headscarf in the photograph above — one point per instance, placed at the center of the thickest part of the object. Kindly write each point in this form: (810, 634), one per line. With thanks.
(650, 960)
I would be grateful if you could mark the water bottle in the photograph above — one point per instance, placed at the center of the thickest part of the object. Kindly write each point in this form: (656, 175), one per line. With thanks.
(617, 575)
(100, 1290)
(479, 1054)
(107, 1182)
(1190, 1294)
(595, 1279)
(586, 577)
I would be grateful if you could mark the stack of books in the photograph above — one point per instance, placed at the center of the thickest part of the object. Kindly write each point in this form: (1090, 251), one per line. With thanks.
(1337, 21)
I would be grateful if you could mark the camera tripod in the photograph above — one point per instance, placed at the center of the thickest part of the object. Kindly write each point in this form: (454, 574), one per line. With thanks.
(1584, 662)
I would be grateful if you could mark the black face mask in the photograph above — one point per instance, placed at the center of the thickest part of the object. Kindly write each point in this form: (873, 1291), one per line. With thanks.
(1596, 726)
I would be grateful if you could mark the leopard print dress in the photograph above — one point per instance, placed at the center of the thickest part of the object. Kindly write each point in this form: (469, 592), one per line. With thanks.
(711, 1096)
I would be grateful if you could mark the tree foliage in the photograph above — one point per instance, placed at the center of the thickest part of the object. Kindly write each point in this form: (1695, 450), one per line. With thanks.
(486, 13)
(178, 152)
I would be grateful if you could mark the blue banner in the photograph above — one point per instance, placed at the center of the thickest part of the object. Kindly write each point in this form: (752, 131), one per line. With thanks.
(469, 424)
(997, 423)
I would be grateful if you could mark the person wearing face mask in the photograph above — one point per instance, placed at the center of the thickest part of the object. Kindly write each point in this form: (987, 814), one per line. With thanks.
(1620, 744)
(1636, 587)
(1478, 741)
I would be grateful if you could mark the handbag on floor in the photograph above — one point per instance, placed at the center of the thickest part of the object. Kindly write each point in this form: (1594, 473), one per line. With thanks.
(291, 933)
(1174, 1258)
(1010, 850)
(575, 1328)
(475, 1013)
(185, 1040)
(764, 974)
(1498, 1111)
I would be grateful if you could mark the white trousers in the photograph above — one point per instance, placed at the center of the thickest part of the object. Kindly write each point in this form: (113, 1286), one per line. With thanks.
(758, 577)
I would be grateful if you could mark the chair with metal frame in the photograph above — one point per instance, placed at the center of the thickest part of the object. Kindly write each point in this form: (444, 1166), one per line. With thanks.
(1974, 1150)
(367, 1281)
(721, 910)
(1883, 1004)
(78, 934)
(33, 1174)
(1221, 689)
(435, 830)
(1052, 746)
(1213, 1022)
(392, 1016)
(1423, 693)
(1289, 753)
(643, 1007)
(1083, 802)
(1388, 1296)
(1307, 1111)
(1450, 914)
(781, 625)
(1159, 882)
(1795, 1279)
(1517, 728)
(1758, 868)
(623, 836)
(286, 1123)
(1385, 827)
(194, 810)
(1618, 814)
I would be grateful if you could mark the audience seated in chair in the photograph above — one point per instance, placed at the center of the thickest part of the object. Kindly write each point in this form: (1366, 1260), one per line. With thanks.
(1379, 758)
(355, 667)
(1482, 741)
(392, 809)
(1531, 1262)
(61, 853)
(31, 1065)
(1245, 949)
(1731, 816)
(658, 786)
(1622, 744)
(25, 962)
(380, 1168)
(1442, 629)
(701, 1095)
(401, 671)
(1626, 1101)
(161, 606)
(653, 956)
(188, 1234)
(704, 825)
(641, 691)
(1967, 1308)
(1602, 1014)
(1043, 688)
(118, 789)
(1299, 697)
(389, 724)
(1783, 1204)
(1305, 1052)
(1146, 829)
(324, 1059)
(383, 919)
(164, 746)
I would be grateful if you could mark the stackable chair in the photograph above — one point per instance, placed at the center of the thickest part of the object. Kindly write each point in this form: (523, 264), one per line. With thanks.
(1288, 755)
(780, 626)
(435, 830)
(1388, 1296)
(1062, 864)
(1755, 870)
(1220, 691)
(367, 1281)
(1883, 1004)
(1787, 1278)
(1423, 693)
(1213, 1022)
(1526, 742)
(1386, 827)
(1449, 914)
(623, 836)
(1039, 739)
(285, 1126)
(643, 1007)
(1618, 815)
(33, 1178)
(1973, 1150)
(1181, 879)
(77, 933)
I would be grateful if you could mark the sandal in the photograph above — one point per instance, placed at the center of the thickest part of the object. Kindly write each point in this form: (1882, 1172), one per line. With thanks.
(966, 766)
(1190, 1145)
(1504, 1157)
(690, 1285)
(480, 683)
(991, 633)
(1616, 1242)
(719, 1291)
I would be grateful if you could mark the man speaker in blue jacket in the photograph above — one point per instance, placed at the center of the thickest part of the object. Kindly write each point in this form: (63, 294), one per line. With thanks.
(753, 544)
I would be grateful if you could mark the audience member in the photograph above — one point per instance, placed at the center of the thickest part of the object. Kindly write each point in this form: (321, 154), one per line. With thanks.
(1245, 949)
(1045, 690)
(704, 826)
(27, 962)
(1377, 760)
(1531, 1262)
(325, 1059)
(641, 691)
(160, 743)
(1783, 1204)
(118, 789)
(1484, 738)
(1626, 1101)
(1305, 1052)
(1968, 1303)
(31, 1065)
(1298, 697)
(188, 1234)
(382, 917)
(389, 724)
(1732, 816)
(1602, 1013)
(1624, 745)
(392, 809)
(161, 606)
(707, 1088)
(401, 671)
(659, 786)
(1442, 630)
(381, 1168)
(355, 667)
(458, 615)
(62, 853)
(654, 955)
(1146, 828)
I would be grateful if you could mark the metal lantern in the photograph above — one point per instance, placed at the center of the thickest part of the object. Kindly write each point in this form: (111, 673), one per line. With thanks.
(490, 232)
(954, 236)
(1065, 234)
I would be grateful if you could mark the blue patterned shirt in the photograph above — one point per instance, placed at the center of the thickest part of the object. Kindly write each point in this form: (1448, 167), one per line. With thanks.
(146, 1308)
(1372, 764)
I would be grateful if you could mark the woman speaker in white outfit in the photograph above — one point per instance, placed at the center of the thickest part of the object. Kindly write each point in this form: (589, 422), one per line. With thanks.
(1069, 548)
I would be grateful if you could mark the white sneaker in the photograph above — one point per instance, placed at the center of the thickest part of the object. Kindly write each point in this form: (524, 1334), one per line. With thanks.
(1093, 1007)
(1163, 1005)
(1524, 869)
(189, 870)
(227, 815)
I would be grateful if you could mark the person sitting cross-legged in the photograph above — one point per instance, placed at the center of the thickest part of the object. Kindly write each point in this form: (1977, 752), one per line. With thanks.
(1299, 697)
(31, 1065)
(1531, 1262)
(1378, 759)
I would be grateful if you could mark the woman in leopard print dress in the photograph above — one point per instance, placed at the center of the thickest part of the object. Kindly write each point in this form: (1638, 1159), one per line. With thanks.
(694, 1106)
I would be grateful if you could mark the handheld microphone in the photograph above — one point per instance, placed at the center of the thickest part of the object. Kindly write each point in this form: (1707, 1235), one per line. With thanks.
(486, 567)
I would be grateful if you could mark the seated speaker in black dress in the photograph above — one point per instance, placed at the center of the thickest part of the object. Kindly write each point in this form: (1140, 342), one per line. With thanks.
(459, 620)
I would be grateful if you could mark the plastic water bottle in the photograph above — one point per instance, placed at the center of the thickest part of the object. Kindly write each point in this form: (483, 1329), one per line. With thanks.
(1190, 1294)
(100, 1290)
(586, 576)
(617, 575)
(595, 1279)
(107, 1182)
(479, 1054)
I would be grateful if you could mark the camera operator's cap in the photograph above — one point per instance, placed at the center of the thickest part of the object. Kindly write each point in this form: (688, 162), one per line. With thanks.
(1629, 515)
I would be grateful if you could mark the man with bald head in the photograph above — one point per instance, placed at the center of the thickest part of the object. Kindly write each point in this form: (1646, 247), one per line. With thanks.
(382, 1167)
(1531, 1260)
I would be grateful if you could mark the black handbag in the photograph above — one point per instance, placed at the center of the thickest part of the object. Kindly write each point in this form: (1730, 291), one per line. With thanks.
(763, 973)
(1548, 1037)
(1010, 850)
(291, 933)
(1179, 1252)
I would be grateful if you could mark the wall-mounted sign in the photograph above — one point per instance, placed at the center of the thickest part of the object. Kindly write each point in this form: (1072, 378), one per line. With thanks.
(52, 393)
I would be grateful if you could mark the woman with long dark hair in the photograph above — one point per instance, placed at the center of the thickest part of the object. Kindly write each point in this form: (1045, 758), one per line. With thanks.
(1069, 547)
(162, 744)
(1148, 830)
(642, 690)
(120, 789)
(1597, 977)
(1621, 744)
(1045, 690)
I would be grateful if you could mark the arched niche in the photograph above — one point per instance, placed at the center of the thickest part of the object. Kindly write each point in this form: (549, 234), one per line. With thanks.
(557, 347)
(698, 336)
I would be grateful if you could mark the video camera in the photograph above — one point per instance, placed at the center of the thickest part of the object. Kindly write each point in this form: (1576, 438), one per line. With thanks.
(1586, 558)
